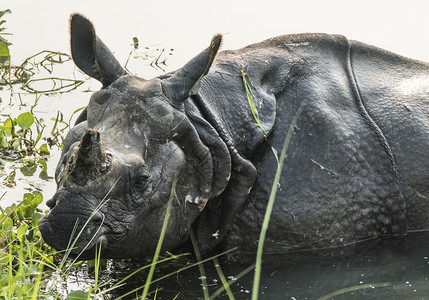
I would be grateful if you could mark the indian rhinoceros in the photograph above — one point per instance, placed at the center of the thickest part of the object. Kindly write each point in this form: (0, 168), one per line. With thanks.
(355, 169)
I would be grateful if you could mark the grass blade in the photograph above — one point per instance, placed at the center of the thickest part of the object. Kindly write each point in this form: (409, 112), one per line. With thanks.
(355, 288)
(223, 279)
(178, 271)
(160, 240)
(257, 277)
(230, 282)
(200, 266)
(250, 97)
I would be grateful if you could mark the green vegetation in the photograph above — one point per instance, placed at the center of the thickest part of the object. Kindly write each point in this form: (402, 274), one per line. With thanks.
(4, 44)
(270, 205)
(23, 255)
(249, 94)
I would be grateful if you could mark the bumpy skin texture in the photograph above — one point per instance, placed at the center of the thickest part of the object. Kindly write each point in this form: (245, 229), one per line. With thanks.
(355, 168)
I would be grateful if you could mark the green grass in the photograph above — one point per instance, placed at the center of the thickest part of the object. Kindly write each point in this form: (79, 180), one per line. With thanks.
(270, 205)
(203, 276)
(250, 96)
(23, 256)
(160, 240)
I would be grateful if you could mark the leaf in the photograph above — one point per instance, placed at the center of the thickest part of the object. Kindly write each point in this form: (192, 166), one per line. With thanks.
(39, 134)
(3, 12)
(28, 211)
(33, 270)
(136, 42)
(35, 218)
(77, 295)
(20, 233)
(4, 142)
(7, 125)
(43, 150)
(27, 198)
(38, 198)
(28, 169)
(43, 164)
(25, 120)
(75, 112)
(17, 142)
(44, 175)
(7, 224)
(4, 49)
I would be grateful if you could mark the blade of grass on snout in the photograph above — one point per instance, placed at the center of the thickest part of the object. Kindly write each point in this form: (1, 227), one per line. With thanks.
(73, 239)
(99, 206)
(257, 277)
(160, 240)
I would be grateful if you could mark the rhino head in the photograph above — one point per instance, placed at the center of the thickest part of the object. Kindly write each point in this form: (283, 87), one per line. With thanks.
(119, 162)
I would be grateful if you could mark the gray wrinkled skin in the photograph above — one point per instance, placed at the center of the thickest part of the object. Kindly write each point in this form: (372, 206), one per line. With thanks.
(355, 168)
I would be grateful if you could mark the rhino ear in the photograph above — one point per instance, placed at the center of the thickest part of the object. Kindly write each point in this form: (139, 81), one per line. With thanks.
(178, 87)
(90, 54)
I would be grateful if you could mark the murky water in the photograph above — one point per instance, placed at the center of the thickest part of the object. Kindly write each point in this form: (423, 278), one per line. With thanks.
(394, 269)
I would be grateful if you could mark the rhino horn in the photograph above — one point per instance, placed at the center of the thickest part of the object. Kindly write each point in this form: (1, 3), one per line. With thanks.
(90, 147)
(178, 87)
(89, 159)
(90, 54)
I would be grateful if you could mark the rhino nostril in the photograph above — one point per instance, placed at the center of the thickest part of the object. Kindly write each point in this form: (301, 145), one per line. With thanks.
(51, 203)
(98, 218)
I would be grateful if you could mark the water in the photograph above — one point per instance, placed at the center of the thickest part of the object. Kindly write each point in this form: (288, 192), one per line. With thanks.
(395, 270)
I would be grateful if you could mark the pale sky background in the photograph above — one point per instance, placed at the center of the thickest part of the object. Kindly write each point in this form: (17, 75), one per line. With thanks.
(187, 26)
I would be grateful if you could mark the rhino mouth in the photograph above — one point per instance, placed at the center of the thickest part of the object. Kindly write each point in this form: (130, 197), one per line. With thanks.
(85, 249)
(80, 234)
(85, 239)
(76, 242)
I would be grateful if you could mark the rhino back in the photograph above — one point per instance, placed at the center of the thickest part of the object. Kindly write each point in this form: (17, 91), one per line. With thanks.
(338, 184)
(395, 91)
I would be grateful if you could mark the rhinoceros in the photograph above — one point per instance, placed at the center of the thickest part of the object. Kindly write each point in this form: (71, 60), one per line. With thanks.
(356, 166)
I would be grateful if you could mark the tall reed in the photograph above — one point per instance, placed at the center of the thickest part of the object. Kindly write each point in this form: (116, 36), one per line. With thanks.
(270, 205)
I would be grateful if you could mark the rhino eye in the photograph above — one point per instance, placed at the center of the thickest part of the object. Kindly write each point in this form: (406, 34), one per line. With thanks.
(142, 181)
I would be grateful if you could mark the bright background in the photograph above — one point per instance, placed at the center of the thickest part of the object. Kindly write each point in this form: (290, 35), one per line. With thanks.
(187, 26)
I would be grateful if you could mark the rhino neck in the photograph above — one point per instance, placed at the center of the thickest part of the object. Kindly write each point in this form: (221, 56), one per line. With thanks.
(233, 179)
(225, 98)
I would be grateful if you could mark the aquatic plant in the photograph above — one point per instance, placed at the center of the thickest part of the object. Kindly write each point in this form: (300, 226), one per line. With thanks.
(23, 255)
(4, 44)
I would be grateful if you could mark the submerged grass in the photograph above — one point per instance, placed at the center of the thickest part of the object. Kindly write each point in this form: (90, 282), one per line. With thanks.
(355, 288)
(222, 277)
(203, 276)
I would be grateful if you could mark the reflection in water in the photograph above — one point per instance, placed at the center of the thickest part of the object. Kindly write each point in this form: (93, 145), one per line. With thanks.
(397, 269)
